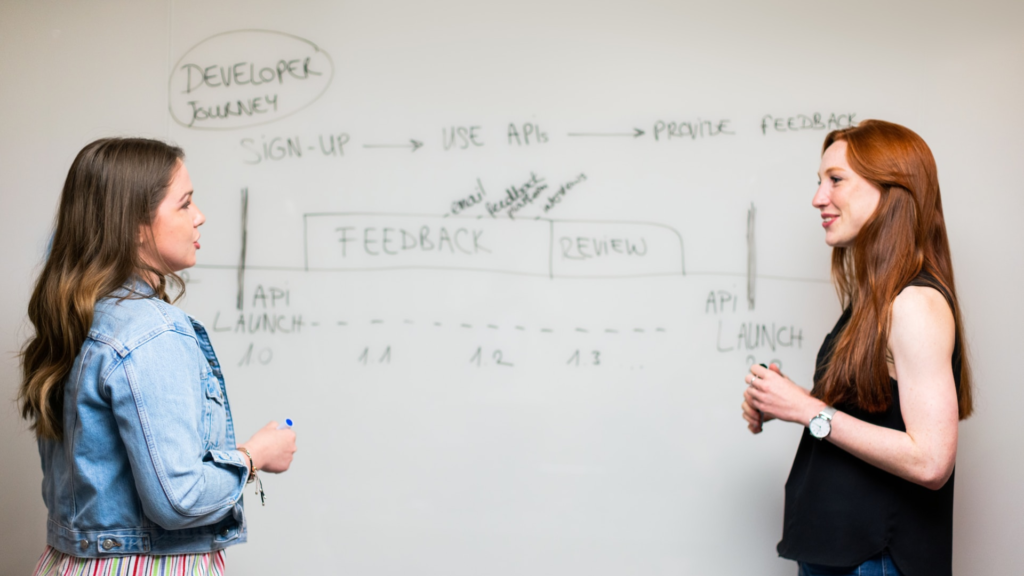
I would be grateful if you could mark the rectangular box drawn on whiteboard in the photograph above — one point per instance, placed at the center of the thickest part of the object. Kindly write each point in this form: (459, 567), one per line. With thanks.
(584, 249)
(399, 241)
(536, 247)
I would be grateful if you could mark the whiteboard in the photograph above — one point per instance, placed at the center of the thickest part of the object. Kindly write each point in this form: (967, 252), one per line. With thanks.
(506, 265)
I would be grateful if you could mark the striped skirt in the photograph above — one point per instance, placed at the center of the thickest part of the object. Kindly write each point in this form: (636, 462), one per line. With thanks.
(55, 563)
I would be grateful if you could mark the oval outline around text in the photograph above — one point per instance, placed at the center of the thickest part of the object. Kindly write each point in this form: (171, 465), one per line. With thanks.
(316, 49)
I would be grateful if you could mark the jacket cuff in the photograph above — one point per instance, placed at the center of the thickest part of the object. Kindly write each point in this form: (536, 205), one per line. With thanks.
(231, 458)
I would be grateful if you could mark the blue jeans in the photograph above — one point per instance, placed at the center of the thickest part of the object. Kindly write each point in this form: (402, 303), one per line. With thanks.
(878, 566)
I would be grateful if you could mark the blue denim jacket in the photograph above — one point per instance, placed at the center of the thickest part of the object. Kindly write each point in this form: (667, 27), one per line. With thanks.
(148, 462)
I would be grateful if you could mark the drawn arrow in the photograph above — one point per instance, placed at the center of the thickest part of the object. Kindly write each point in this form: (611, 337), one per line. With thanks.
(636, 133)
(414, 144)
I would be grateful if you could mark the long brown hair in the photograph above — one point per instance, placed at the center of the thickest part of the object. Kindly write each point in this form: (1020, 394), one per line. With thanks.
(110, 196)
(905, 236)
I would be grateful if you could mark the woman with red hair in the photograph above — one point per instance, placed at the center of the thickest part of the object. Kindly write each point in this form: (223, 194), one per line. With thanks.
(871, 488)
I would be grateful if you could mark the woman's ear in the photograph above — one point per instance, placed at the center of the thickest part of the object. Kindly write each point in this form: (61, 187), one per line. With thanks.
(145, 239)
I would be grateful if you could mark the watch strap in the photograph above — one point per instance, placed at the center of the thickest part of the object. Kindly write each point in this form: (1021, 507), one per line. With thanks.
(826, 416)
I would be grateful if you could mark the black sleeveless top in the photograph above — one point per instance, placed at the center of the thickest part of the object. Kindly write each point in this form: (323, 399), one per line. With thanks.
(841, 511)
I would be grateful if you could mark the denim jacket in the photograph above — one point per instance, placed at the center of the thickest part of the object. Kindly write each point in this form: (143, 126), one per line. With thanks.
(148, 462)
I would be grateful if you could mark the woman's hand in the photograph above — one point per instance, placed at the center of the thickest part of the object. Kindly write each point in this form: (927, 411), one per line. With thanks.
(754, 417)
(755, 420)
(771, 395)
(272, 449)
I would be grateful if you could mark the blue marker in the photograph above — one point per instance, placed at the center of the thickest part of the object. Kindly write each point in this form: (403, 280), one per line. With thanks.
(287, 424)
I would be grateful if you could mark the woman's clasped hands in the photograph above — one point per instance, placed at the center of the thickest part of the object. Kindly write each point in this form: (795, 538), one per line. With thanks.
(771, 395)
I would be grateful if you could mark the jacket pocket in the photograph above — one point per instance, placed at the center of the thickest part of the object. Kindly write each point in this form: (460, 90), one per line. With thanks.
(215, 421)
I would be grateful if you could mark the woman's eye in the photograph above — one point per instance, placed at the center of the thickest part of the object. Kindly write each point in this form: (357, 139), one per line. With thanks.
(186, 205)
(835, 179)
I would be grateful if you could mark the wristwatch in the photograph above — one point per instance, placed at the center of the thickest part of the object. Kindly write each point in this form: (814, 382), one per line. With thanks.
(821, 424)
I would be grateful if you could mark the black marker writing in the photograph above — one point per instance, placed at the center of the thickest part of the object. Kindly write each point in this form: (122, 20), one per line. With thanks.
(245, 73)
(248, 107)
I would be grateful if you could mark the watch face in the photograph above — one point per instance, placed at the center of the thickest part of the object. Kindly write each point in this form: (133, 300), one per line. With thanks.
(820, 427)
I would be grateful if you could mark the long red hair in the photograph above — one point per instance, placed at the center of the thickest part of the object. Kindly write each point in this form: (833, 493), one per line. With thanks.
(904, 237)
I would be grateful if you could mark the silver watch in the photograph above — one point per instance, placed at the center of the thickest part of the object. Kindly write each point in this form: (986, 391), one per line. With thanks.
(821, 425)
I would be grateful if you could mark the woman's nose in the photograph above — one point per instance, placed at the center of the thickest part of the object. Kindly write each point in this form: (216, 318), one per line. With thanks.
(820, 198)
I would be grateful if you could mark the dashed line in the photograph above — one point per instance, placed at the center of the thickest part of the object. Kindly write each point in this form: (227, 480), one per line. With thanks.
(520, 328)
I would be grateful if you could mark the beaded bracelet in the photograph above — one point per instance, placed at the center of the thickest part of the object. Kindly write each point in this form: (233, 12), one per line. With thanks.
(252, 465)
(253, 476)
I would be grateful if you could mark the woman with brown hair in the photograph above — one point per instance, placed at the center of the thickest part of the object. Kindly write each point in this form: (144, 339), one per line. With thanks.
(871, 487)
(126, 396)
